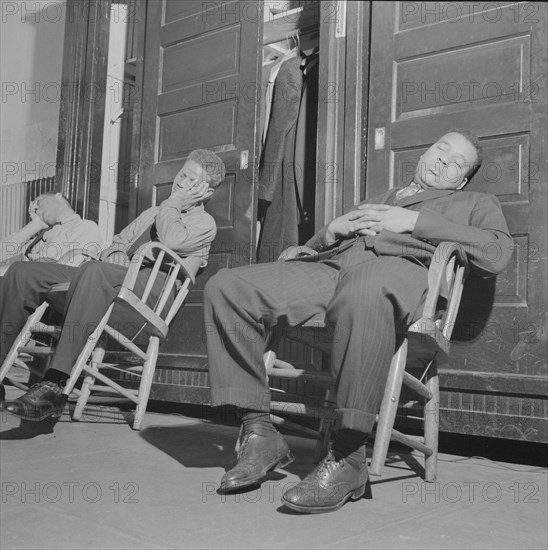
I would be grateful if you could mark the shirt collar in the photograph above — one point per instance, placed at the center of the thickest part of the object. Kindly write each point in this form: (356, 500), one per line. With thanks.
(67, 219)
(193, 208)
(70, 218)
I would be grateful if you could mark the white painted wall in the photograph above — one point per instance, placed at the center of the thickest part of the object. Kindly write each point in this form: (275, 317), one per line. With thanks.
(31, 56)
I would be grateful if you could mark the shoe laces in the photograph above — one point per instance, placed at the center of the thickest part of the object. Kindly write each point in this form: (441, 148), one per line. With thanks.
(326, 466)
(242, 442)
(41, 387)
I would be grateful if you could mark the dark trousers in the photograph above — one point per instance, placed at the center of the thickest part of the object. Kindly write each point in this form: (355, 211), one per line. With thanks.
(93, 287)
(367, 302)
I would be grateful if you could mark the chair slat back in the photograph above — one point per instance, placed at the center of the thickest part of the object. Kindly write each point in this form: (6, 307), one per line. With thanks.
(153, 275)
(169, 286)
(179, 273)
(449, 265)
(453, 303)
(190, 267)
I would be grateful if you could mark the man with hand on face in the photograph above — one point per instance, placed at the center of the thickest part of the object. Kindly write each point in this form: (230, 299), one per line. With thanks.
(369, 277)
(180, 223)
(55, 233)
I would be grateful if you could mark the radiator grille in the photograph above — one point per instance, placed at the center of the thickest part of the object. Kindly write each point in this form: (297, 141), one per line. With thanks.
(15, 200)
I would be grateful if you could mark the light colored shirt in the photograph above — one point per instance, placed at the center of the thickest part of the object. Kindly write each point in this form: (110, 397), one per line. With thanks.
(70, 242)
(188, 233)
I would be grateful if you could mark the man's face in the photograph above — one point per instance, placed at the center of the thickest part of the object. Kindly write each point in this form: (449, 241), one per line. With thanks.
(446, 164)
(191, 174)
(47, 209)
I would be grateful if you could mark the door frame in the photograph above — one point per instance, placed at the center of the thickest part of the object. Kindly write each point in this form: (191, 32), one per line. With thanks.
(343, 108)
(82, 105)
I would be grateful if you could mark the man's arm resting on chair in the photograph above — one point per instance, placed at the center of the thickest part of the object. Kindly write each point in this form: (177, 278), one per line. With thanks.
(486, 241)
(117, 252)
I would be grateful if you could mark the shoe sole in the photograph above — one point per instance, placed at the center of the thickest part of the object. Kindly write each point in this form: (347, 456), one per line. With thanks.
(356, 494)
(287, 459)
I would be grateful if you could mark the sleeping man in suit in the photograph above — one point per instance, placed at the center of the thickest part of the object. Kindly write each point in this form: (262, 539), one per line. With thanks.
(369, 278)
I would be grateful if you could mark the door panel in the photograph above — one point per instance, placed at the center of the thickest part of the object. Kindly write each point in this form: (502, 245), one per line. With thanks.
(437, 66)
(198, 58)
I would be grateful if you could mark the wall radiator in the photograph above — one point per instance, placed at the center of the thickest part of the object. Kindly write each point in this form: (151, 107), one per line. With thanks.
(15, 200)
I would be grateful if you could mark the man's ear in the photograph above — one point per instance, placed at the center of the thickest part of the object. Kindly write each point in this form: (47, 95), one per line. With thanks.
(209, 192)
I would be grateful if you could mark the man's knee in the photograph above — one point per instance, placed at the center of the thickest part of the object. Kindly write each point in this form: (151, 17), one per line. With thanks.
(218, 285)
(20, 272)
(16, 269)
(92, 271)
(92, 266)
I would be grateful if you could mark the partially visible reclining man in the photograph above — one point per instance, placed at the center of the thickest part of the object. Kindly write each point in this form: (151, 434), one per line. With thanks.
(180, 223)
(369, 277)
(54, 234)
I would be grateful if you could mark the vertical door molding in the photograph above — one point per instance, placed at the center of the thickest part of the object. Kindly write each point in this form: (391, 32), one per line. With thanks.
(356, 102)
(136, 53)
(331, 93)
(342, 109)
(82, 109)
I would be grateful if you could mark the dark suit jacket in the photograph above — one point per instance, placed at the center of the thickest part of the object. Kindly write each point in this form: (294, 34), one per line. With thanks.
(474, 220)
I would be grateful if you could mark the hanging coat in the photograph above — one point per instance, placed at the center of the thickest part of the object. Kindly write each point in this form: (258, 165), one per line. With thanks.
(277, 171)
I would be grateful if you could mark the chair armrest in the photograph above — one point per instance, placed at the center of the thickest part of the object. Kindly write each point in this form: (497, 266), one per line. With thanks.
(448, 257)
(189, 265)
(293, 252)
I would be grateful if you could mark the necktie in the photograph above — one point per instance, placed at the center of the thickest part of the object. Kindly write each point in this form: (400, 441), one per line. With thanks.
(35, 241)
(411, 189)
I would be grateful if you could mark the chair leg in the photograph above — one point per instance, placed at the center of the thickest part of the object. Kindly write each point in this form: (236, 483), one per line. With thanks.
(326, 425)
(389, 408)
(96, 357)
(431, 425)
(85, 354)
(146, 381)
(22, 339)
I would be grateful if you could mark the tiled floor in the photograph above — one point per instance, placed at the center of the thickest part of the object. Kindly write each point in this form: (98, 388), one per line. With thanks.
(98, 484)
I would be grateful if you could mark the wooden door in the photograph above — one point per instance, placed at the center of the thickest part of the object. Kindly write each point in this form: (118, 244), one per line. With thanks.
(201, 63)
(437, 66)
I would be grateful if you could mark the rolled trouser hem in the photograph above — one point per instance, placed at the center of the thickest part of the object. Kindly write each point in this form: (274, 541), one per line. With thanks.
(354, 419)
(243, 399)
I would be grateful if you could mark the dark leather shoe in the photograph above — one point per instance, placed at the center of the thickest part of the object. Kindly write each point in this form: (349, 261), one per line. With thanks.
(43, 400)
(332, 483)
(257, 455)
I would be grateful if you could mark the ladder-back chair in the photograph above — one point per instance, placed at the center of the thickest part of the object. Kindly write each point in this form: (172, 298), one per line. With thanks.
(149, 323)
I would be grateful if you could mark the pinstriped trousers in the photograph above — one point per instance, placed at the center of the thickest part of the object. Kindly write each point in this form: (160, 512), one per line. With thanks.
(368, 302)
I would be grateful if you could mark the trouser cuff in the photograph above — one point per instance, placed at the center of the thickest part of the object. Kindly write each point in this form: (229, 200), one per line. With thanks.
(241, 398)
(354, 419)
